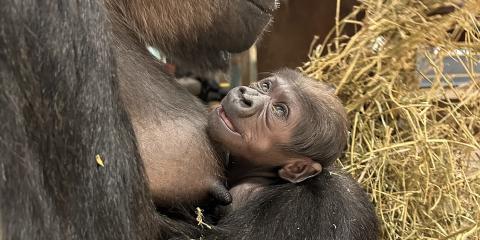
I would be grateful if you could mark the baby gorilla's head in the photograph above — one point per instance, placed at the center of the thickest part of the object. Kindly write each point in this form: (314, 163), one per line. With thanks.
(285, 121)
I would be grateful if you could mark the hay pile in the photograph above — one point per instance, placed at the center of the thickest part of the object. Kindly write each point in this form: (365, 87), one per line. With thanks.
(413, 149)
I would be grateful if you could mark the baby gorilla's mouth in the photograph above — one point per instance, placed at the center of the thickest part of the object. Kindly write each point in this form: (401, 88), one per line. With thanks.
(226, 120)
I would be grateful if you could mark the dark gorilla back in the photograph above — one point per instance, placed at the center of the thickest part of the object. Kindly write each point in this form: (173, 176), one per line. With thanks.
(59, 109)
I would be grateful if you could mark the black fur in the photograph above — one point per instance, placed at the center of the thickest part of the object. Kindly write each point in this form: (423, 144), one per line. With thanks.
(59, 108)
(331, 206)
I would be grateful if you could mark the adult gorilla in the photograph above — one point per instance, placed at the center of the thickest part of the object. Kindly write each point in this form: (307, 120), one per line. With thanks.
(65, 83)
(169, 122)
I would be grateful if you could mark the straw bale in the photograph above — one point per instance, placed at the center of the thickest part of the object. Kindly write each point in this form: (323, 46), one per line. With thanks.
(416, 150)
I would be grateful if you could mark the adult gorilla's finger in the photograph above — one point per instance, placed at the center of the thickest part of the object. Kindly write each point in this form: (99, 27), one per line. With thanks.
(220, 193)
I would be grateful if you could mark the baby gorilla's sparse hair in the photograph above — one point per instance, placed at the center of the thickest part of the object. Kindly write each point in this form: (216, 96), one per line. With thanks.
(323, 129)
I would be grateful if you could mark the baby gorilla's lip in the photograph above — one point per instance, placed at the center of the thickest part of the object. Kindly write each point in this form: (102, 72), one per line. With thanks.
(226, 120)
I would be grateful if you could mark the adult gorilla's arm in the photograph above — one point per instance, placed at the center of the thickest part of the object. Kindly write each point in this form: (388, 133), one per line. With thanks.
(59, 108)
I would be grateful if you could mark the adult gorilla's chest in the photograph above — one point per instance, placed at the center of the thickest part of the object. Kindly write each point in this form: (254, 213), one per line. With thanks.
(170, 128)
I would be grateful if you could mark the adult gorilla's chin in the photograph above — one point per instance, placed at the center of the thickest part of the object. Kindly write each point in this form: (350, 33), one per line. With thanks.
(246, 21)
(204, 32)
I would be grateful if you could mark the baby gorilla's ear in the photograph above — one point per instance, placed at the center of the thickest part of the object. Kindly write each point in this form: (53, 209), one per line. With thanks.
(299, 169)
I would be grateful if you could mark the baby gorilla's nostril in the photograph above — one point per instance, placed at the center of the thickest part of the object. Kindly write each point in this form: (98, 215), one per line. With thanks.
(244, 95)
(247, 102)
(242, 90)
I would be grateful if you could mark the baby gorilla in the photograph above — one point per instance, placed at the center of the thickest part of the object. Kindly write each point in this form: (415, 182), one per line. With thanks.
(285, 126)
(283, 133)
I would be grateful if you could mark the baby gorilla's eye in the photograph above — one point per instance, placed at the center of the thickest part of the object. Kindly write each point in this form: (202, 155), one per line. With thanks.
(280, 110)
(265, 86)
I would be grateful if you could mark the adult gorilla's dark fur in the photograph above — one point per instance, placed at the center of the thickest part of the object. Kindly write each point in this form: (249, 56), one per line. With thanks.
(70, 90)
(59, 108)
(331, 206)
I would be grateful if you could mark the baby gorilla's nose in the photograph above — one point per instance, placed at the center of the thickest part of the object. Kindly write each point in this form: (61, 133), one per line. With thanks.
(247, 91)
(247, 100)
(247, 96)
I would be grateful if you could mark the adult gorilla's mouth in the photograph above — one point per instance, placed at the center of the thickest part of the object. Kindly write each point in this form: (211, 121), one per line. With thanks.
(226, 120)
(266, 6)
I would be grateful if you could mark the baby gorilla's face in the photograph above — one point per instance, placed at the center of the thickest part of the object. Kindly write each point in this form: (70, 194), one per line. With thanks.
(253, 121)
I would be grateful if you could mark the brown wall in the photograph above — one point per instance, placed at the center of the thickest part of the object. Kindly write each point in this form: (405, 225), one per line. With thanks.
(296, 23)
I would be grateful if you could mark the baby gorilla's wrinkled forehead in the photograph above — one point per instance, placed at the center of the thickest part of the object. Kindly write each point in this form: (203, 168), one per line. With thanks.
(282, 116)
